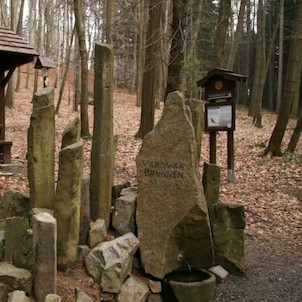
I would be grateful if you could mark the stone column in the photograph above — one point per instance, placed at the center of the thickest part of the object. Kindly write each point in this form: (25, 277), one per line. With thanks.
(211, 185)
(41, 149)
(45, 255)
(196, 108)
(67, 203)
(102, 142)
(72, 133)
(18, 242)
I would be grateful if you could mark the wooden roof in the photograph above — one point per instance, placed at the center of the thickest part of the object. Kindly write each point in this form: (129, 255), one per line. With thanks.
(224, 73)
(45, 62)
(14, 51)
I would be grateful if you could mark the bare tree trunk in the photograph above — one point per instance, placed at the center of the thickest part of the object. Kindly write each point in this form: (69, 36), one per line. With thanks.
(109, 19)
(177, 45)
(39, 43)
(291, 85)
(150, 70)
(248, 51)
(296, 135)
(77, 77)
(280, 61)
(78, 10)
(259, 78)
(262, 65)
(10, 92)
(221, 32)
(65, 72)
(19, 32)
(237, 36)
(31, 31)
(143, 25)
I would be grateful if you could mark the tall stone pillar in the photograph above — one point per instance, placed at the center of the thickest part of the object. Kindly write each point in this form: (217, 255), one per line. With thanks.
(45, 255)
(41, 150)
(68, 202)
(102, 152)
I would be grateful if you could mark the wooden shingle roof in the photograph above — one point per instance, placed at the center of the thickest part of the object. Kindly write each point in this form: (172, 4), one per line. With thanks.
(225, 73)
(14, 51)
(45, 62)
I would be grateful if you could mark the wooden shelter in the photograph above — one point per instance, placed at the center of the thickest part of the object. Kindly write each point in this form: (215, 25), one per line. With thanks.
(14, 52)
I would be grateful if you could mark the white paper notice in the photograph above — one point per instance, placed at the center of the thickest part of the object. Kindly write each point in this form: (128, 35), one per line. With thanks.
(220, 116)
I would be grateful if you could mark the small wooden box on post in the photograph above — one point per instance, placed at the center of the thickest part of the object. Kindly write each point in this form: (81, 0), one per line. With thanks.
(14, 52)
(220, 96)
(45, 63)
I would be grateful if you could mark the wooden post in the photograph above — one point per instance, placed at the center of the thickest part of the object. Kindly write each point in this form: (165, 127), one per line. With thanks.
(213, 147)
(230, 147)
(2, 107)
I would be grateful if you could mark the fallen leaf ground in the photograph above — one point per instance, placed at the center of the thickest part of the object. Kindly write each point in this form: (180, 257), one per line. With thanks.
(270, 190)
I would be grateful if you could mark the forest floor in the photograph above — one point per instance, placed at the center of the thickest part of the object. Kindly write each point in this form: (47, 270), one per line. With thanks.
(270, 190)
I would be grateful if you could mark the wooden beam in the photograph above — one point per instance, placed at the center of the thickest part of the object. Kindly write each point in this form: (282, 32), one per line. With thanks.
(8, 76)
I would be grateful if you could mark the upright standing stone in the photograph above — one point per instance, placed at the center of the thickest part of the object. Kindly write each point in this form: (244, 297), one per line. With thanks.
(211, 185)
(72, 133)
(228, 227)
(18, 242)
(172, 215)
(44, 97)
(41, 149)
(85, 210)
(196, 108)
(68, 202)
(45, 255)
(13, 203)
(102, 143)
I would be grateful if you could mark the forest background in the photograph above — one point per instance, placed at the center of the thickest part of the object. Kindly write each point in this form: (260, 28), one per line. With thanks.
(163, 46)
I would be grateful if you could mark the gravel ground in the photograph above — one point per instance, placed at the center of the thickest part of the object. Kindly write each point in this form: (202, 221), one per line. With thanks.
(274, 273)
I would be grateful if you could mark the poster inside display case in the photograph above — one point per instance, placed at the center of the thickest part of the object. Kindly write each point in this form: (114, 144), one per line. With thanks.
(220, 117)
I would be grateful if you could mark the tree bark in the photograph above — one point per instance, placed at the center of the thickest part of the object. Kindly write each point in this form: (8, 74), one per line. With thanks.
(10, 91)
(237, 36)
(259, 78)
(296, 135)
(291, 85)
(280, 60)
(221, 32)
(177, 46)
(19, 32)
(109, 18)
(65, 72)
(78, 11)
(150, 70)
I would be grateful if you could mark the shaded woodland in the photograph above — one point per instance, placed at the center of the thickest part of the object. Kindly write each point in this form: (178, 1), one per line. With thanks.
(163, 46)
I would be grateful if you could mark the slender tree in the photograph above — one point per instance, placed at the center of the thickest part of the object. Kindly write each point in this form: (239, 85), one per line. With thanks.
(292, 145)
(259, 77)
(65, 72)
(237, 36)
(221, 32)
(151, 69)
(10, 92)
(291, 85)
(177, 46)
(19, 32)
(79, 21)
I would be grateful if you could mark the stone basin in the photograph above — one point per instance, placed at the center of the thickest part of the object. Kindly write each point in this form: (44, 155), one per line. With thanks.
(195, 285)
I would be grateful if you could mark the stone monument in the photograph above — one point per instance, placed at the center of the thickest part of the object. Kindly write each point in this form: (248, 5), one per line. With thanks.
(172, 215)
